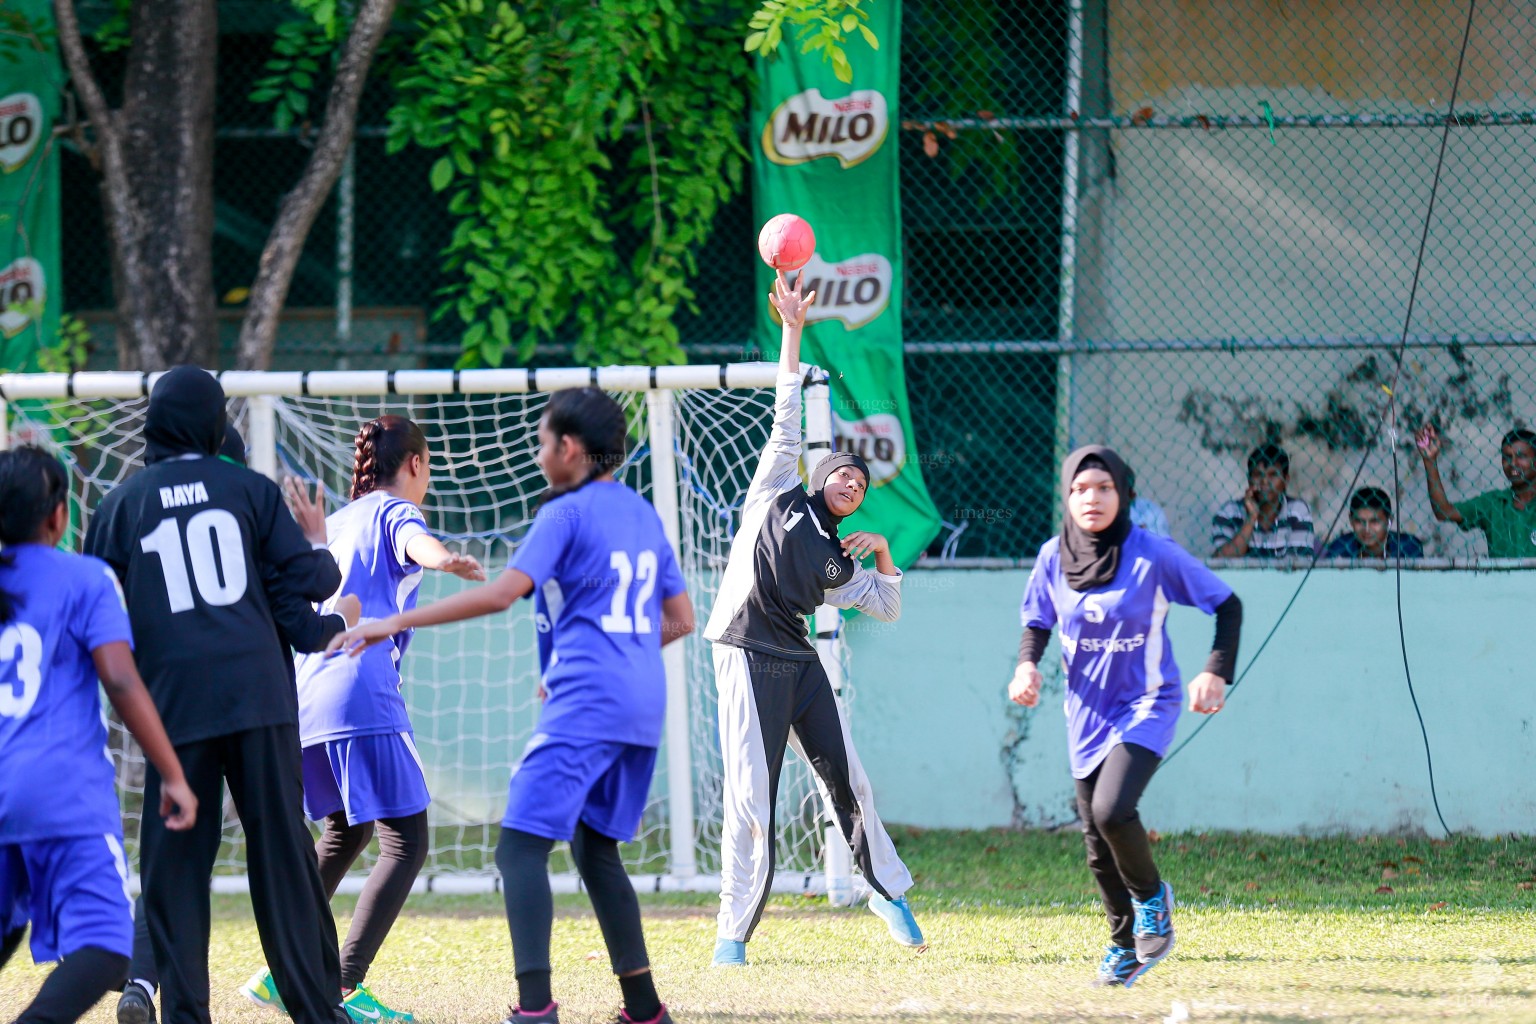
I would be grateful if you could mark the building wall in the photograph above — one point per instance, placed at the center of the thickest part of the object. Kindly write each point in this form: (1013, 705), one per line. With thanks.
(1321, 736)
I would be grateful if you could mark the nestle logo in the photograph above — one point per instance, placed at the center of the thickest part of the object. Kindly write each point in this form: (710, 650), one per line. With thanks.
(14, 108)
(858, 269)
(843, 106)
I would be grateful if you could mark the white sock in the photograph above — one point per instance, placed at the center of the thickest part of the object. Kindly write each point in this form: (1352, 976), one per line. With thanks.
(147, 986)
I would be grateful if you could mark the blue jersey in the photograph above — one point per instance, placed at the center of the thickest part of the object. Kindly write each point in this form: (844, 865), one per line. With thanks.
(1123, 685)
(601, 566)
(58, 777)
(341, 696)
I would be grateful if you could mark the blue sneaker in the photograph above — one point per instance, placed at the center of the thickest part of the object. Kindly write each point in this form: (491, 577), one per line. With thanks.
(898, 919)
(730, 953)
(1118, 968)
(1153, 930)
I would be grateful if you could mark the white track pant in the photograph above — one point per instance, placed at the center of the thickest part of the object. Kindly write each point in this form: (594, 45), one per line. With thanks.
(766, 702)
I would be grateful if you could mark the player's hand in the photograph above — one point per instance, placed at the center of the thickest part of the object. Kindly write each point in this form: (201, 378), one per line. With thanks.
(1207, 693)
(1251, 503)
(543, 694)
(178, 805)
(1428, 442)
(359, 638)
(792, 306)
(349, 608)
(861, 543)
(466, 567)
(1024, 687)
(309, 513)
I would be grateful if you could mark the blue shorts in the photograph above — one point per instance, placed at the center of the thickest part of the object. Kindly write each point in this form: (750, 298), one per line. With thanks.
(370, 777)
(561, 781)
(74, 891)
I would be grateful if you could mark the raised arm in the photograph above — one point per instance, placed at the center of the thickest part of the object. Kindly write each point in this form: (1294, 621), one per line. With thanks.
(779, 467)
(495, 596)
(1428, 441)
(429, 553)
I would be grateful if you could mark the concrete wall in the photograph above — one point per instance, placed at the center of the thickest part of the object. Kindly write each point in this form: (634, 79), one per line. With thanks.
(1321, 736)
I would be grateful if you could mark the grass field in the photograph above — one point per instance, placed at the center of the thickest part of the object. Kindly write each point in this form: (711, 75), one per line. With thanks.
(1270, 929)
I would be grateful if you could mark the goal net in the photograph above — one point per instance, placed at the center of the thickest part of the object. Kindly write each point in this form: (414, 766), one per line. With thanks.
(695, 436)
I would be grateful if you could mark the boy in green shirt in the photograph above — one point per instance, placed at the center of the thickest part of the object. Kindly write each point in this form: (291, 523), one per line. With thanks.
(1507, 518)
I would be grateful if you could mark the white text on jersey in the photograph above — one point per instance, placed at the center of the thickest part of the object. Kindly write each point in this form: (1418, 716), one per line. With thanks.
(178, 495)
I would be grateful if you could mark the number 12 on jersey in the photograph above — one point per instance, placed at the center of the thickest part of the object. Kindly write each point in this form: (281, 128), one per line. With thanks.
(642, 569)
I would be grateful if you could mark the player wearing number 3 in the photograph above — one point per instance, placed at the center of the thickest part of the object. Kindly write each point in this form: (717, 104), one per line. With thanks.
(786, 559)
(192, 538)
(608, 595)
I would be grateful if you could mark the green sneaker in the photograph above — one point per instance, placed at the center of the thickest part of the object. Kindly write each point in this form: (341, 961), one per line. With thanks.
(262, 991)
(363, 1007)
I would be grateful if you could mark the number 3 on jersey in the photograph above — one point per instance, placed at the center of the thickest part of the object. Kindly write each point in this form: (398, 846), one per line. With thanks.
(644, 570)
(20, 643)
(204, 530)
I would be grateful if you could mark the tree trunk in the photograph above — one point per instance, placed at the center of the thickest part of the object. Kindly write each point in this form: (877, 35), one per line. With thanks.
(166, 123)
(285, 244)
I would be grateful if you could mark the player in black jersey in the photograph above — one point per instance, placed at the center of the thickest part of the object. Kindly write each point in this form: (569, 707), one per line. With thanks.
(786, 560)
(301, 628)
(192, 538)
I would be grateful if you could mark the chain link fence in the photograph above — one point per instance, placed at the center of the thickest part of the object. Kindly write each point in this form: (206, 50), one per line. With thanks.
(1183, 229)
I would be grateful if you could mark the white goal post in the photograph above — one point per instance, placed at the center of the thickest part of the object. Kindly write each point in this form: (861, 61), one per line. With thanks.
(696, 433)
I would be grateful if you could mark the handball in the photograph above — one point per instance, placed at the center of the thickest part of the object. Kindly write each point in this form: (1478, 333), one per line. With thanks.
(786, 242)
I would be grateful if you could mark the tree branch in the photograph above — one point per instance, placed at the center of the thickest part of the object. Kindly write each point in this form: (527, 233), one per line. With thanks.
(301, 206)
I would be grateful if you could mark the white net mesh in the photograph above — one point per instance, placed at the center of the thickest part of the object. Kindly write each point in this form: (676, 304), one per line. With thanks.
(471, 687)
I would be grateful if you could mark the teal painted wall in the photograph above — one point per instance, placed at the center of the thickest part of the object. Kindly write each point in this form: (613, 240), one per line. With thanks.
(1321, 736)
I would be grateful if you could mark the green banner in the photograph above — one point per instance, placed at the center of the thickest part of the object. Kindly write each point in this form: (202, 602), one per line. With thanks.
(826, 151)
(30, 83)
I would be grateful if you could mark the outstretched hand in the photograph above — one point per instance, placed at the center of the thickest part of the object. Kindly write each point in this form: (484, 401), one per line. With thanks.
(466, 567)
(310, 512)
(359, 638)
(790, 303)
(1428, 442)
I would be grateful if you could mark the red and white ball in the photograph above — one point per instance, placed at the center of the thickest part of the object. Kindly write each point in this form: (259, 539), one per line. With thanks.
(786, 242)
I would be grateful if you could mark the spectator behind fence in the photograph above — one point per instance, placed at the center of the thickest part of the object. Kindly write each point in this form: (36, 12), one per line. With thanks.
(1370, 515)
(1507, 518)
(1264, 523)
(1145, 512)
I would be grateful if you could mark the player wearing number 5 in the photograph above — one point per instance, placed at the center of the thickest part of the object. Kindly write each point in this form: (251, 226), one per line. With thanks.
(608, 595)
(786, 559)
(192, 537)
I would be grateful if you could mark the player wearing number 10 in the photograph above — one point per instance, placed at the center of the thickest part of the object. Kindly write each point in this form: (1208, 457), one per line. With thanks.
(192, 538)
(608, 595)
(62, 623)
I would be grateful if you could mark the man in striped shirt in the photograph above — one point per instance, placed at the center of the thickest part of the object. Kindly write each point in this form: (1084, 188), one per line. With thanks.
(1264, 523)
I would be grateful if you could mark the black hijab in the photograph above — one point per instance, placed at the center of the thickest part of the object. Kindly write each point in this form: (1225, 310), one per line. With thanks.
(824, 469)
(186, 415)
(1091, 560)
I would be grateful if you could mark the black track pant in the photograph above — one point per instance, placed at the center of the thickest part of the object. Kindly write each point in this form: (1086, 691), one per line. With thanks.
(1119, 854)
(80, 980)
(766, 702)
(402, 852)
(298, 935)
(524, 862)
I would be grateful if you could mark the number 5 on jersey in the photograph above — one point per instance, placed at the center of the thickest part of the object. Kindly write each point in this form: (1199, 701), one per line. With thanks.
(210, 527)
(644, 570)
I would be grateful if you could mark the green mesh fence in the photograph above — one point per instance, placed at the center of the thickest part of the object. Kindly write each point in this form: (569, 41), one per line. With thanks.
(1183, 229)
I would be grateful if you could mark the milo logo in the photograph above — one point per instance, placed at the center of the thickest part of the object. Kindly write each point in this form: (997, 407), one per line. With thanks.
(22, 292)
(854, 291)
(809, 126)
(877, 439)
(21, 126)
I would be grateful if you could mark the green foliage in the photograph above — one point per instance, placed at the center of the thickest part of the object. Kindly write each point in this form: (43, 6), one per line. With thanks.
(70, 348)
(19, 33)
(817, 25)
(303, 53)
(112, 34)
(586, 147)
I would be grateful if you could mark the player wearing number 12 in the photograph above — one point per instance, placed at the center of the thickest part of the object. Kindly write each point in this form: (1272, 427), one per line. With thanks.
(62, 867)
(192, 537)
(608, 595)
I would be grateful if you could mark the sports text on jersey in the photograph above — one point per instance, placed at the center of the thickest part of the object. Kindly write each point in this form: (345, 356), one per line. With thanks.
(178, 495)
(1112, 644)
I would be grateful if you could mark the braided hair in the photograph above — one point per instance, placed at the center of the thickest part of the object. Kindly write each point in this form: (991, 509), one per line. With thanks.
(382, 447)
(32, 485)
(598, 422)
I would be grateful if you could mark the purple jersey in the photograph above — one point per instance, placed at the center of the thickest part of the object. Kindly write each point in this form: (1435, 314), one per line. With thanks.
(340, 697)
(51, 727)
(601, 566)
(1123, 685)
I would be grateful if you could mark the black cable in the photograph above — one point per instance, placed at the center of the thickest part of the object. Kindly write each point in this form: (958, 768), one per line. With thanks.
(1390, 411)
